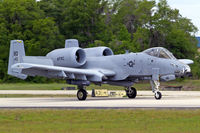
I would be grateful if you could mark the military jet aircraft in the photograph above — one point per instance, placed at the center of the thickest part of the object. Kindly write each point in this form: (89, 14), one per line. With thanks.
(98, 65)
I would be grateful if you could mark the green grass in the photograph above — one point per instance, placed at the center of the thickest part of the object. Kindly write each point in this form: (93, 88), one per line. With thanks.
(33, 95)
(193, 85)
(31, 86)
(51, 86)
(97, 121)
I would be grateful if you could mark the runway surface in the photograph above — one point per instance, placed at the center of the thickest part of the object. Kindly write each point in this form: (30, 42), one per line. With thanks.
(145, 99)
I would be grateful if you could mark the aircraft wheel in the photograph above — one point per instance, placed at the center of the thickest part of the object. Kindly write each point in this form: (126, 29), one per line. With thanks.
(81, 94)
(158, 95)
(131, 92)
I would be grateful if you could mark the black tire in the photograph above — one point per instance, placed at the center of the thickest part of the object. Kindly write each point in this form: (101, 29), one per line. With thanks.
(131, 93)
(82, 94)
(158, 95)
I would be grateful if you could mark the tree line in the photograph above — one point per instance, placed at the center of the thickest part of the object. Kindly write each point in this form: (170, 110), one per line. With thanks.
(132, 25)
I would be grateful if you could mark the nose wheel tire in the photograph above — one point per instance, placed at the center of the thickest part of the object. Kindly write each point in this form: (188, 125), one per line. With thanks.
(131, 92)
(82, 94)
(158, 95)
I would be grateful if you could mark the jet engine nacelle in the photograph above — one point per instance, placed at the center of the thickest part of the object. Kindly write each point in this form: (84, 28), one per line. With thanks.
(98, 51)
(68, 57)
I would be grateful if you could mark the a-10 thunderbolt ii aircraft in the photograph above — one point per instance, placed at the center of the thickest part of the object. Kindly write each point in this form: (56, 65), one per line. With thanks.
(98, 65)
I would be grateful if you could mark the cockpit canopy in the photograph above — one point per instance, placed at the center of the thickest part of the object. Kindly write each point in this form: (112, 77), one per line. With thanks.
(159, 52)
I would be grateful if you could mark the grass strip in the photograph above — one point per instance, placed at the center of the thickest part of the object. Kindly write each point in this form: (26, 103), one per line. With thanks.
(108, 121)
(32, 95)
(190, 85)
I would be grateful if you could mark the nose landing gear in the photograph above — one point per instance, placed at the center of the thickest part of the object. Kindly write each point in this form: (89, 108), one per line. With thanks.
(155, 89)
(158, 95)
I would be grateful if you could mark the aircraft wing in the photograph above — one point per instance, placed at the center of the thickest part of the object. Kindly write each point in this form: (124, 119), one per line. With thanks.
(62, 72)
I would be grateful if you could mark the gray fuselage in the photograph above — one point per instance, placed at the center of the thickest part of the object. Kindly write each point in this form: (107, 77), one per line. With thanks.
(134, 65)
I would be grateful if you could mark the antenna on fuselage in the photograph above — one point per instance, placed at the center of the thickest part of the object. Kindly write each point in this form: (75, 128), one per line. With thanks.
(126, 51)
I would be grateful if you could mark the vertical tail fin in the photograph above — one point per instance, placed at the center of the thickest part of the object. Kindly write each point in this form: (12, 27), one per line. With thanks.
(16, 53)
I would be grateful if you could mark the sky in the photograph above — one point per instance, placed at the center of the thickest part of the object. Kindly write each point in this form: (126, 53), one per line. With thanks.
(189, 9)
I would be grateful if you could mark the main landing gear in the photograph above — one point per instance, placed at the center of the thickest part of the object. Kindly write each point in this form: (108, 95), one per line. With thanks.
(155, 89)
(131, 92)
(82, 93)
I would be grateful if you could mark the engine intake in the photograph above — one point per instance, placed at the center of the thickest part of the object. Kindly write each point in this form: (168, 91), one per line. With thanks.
(68, 57)
(98, 51)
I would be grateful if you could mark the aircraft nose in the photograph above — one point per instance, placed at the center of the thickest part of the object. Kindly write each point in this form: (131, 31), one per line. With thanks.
(183, 70)
(187, 71)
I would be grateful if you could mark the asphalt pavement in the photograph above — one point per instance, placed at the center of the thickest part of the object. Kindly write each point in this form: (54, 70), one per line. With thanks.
(144, 99)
